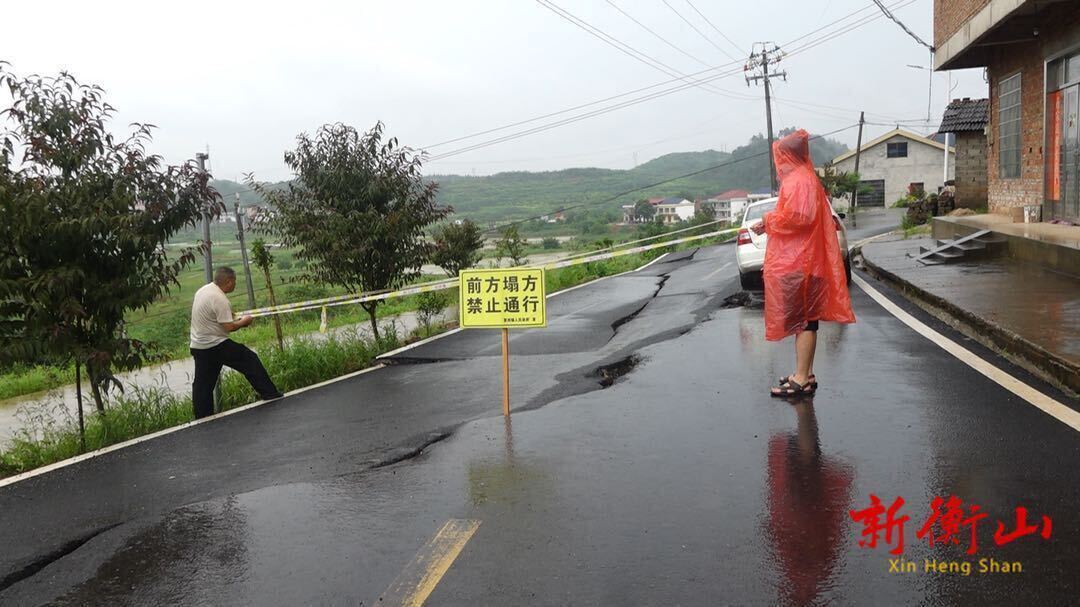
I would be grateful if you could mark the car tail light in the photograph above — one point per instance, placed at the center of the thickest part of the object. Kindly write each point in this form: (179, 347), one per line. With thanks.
(744, 237)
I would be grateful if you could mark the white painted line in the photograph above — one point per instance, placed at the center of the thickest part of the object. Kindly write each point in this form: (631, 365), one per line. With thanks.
(1034, 397)
(870, 239)
(141, 439)
(11, 480)
(717, 270)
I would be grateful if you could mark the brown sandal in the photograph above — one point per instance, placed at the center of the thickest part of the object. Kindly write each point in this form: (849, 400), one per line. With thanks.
(792, 388)
(812, 382)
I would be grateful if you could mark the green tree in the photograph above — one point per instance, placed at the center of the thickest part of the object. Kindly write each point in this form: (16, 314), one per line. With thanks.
(839, 184)
(261, 257)
(457, 246)
(550, 242)
(512, 245)
(357, 210)
(644, 210)
(84, 218)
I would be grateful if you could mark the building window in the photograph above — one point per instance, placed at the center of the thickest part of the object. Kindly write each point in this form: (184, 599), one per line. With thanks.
(1009, 128)
(897, 150)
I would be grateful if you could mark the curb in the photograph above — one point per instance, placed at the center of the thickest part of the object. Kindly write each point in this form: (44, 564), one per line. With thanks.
(1060, 372)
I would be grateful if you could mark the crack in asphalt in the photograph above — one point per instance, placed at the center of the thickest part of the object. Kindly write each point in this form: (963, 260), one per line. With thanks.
(689, 257)
(402, 453)
(36, 565)
(632, 315)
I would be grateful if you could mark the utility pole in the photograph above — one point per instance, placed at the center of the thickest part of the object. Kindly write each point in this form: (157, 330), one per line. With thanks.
(770, 54)
(244, 254)
(208, 262)
(858, 152)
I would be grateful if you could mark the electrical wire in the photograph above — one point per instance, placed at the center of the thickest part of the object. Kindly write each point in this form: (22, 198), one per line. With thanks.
(811, 44)
(700, 33)
(623, 47)
(713, 25)
(576, 118)
(902, 26)
(658, 36)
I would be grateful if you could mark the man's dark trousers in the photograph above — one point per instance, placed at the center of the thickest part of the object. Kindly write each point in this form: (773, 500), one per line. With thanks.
(230, 354)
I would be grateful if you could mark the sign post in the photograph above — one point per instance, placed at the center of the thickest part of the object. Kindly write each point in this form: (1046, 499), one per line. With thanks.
(506, 370)
(500, 299)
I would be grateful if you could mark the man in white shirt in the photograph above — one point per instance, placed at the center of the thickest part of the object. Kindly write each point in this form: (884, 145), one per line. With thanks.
(211, 322)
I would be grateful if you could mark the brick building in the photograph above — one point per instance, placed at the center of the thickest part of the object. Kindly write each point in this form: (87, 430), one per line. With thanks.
(1031, 52)
(968, 119)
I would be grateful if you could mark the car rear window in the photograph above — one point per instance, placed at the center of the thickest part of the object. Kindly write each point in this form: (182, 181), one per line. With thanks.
(758, 211)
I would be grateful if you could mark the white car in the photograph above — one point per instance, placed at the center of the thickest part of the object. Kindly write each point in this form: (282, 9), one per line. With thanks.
(750, 247)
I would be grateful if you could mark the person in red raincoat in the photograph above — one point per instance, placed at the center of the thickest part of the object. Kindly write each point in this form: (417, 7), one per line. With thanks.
(804, 273)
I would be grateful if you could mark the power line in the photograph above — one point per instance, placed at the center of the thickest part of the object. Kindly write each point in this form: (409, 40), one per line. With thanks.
(577, 118)
(567, 110)
(622, 46)
(848, 28)
(843, 30)
(651, 31)
(700, 33)
(811, 44)
(902, 26)
(713, 25)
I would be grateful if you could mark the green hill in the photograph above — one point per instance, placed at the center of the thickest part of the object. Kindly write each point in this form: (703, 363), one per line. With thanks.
(518, 194)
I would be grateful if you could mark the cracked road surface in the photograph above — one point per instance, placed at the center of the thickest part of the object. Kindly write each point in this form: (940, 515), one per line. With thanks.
(644, 464)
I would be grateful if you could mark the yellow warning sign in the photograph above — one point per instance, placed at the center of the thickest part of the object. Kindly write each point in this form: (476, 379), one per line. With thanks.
(502, 298)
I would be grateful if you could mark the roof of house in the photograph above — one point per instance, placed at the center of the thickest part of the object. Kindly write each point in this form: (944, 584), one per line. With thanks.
(656, 200)
(674, 200)
(966, 115)
(731, 195)
(893, 133)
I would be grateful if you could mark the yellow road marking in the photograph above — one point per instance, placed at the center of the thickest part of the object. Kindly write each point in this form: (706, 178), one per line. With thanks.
(1034, 397)
(419, 578)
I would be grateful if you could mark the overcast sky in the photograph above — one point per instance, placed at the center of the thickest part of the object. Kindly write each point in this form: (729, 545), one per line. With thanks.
(245, 78)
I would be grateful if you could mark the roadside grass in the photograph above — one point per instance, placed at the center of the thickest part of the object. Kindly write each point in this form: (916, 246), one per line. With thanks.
(47, 437)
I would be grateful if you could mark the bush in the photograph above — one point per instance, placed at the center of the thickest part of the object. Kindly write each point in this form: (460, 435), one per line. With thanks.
(551, 242)
(428, 306)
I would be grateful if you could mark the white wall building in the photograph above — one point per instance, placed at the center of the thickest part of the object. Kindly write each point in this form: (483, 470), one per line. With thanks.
(892, 163)
(674, 210)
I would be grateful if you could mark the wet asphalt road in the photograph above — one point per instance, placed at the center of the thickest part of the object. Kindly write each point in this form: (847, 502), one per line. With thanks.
(681, 483)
